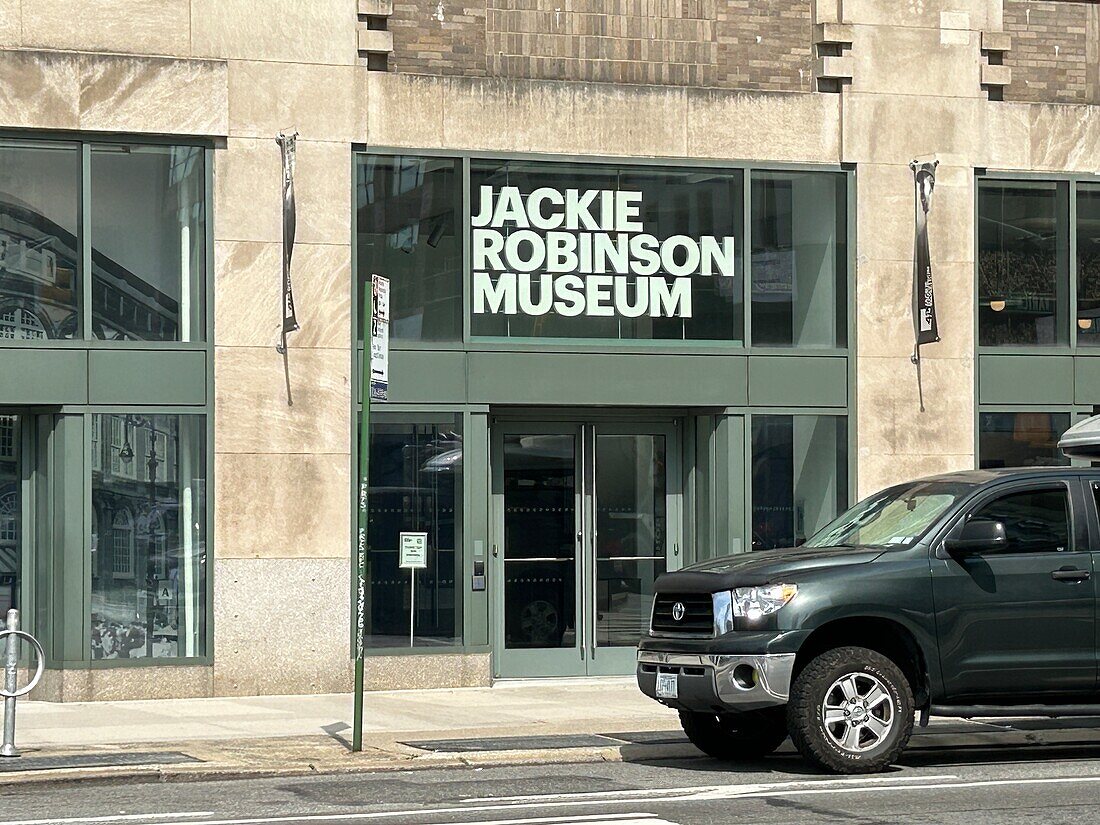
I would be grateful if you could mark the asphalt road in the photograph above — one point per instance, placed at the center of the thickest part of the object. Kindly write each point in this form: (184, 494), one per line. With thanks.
(972, 786)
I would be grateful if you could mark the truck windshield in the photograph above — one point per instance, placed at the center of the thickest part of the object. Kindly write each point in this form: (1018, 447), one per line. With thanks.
(896, 517)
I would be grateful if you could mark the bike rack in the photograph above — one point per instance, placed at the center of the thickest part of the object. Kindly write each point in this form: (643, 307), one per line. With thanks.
(11, 690)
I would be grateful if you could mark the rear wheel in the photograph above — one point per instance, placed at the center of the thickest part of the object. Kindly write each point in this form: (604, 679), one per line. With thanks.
(851, 711)
(736, 736)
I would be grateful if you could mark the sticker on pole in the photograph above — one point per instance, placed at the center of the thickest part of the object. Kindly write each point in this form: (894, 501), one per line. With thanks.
(414, 550)
(380, 339)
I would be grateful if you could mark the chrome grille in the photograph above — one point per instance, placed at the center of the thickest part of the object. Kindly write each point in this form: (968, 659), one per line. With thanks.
(697, 620)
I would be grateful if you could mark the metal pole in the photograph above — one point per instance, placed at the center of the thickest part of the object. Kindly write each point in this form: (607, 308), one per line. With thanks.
(11, 662)
(362, 557)
(412, 609)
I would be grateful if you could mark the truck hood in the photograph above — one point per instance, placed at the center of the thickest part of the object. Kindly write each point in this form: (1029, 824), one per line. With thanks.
(764, 567)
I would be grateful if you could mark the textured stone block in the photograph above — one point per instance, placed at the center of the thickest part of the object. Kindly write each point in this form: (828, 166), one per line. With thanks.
(318, 31)
(11, 23)
(248, 191)
(996, 75)
(764, 126)
(149, 94)
(39, 90)
(121, 26)
(996, 41)
(319, 101)
(282, 506)
(375, 41)
(249, 289)
(252, 409)
(282, 626)
(400, 110)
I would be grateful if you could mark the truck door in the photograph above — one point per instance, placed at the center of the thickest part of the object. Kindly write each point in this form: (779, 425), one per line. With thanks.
(1020, 620)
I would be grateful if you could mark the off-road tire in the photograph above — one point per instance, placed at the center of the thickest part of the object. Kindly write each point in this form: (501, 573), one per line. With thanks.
(805, 720)
(734, 737)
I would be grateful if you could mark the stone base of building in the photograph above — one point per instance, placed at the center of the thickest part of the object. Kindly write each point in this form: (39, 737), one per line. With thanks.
(446, 670)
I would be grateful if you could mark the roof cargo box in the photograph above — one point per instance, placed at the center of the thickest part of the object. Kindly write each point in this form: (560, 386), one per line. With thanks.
(1082, 440)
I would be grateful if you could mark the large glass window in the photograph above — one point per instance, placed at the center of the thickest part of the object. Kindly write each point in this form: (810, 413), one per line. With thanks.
(1088, 265)
(11, 515)
(39, 246)
(1021, 439)
(407, 225)
(799, 476)
(415, 486)
(566, 250)
(148, 233)
(148, 544)
(799, 259)
(1023, 263)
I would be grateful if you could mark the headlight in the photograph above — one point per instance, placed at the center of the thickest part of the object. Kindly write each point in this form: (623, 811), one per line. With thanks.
(753, 602)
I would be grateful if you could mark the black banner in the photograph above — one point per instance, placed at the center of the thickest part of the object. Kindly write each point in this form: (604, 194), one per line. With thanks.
(925, 326)
(287, 144)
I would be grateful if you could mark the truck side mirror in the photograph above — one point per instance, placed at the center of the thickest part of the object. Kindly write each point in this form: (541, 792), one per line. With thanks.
(977, 535)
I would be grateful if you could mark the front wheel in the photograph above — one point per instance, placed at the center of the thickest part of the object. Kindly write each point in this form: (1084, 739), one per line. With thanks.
(850, 711)
(735, 736)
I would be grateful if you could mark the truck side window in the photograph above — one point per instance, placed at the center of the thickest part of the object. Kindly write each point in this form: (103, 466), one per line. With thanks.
(1036, 521)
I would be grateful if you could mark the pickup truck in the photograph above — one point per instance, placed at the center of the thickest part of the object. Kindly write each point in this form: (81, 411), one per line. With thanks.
(968, 594)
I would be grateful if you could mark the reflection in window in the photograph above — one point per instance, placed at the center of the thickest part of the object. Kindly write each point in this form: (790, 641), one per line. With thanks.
(799, 259)
(148, 231)
(799, 476)
(11, 551)
(1023, 263)
(1021, 439)
(408, 230)
(39, 251)
(1036, 521)
(149, 570)
(415, 486)
(691, 204)
(1088, 265)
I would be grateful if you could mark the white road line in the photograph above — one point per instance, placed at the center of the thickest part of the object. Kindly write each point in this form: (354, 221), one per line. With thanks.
(587, 819)
(978, 783)
(115, 818)
(650, 793)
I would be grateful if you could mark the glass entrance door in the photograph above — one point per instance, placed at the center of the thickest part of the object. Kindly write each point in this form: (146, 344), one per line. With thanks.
(587, 516)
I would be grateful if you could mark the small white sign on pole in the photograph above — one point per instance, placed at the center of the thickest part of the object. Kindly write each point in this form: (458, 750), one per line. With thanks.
(380, 339)
(414, 550)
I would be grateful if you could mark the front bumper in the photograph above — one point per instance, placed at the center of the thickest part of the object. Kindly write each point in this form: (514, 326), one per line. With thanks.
(719, 683)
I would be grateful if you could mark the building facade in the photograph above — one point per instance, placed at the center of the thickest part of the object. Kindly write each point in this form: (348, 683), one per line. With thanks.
(651, 270)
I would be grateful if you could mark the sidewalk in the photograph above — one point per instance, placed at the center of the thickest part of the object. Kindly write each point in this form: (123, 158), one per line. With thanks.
(167, 739)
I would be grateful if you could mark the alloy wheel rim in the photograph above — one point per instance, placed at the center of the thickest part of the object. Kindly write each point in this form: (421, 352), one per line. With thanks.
(858, 712)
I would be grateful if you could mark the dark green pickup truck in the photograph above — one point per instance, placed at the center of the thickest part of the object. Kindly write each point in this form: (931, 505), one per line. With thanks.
(969, 594)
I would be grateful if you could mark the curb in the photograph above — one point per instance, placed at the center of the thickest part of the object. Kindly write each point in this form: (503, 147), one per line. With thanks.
(207, 772)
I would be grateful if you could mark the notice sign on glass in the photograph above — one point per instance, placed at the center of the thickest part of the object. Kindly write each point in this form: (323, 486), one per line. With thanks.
(414, 550)
(380, 339)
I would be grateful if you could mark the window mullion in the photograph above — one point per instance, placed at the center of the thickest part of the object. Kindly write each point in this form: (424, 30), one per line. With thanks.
(85, 242)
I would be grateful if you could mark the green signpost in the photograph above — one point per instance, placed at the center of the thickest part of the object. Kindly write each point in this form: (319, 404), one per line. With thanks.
(374, 383)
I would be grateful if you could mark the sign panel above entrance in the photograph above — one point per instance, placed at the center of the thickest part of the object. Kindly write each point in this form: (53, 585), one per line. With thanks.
(605, 251)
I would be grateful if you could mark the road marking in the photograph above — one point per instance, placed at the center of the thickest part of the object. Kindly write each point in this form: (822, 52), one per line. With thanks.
(588, 819)
(115, 818)
(652, 793)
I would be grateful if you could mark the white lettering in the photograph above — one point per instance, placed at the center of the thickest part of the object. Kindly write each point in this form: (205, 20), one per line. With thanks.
(569, 291)
(487, 246)
(622, 297)
(561, 252)
(493, 298)
(598, 295)
(510, 207)
(616, 252)
(691, 255)
(485, 211)
(577, 209)
(644, 250)
(538, 218)
(720, 253)
(627, 210)
(512, 250)
(670, 303)
(546, 295)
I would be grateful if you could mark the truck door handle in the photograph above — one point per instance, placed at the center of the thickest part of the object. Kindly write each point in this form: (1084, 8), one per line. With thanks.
(1070, 575)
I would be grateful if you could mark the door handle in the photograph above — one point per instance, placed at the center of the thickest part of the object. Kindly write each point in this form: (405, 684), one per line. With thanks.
(1069, 575)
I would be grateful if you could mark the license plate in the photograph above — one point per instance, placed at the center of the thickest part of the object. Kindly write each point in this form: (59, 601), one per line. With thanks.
(667, 687)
